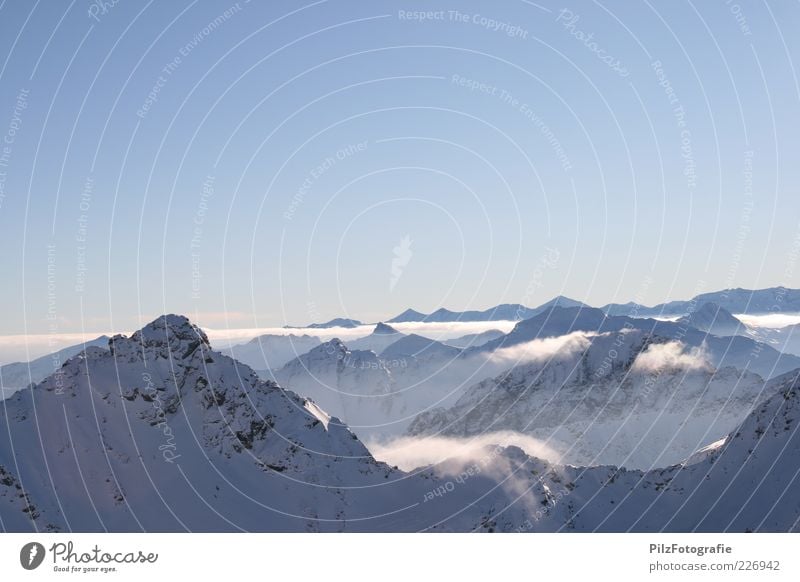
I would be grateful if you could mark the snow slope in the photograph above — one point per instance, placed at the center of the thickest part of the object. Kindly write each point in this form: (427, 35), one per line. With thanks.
(159, 433)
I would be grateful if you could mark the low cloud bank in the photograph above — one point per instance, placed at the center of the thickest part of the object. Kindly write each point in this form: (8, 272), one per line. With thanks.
(771, 320)
(411, 452)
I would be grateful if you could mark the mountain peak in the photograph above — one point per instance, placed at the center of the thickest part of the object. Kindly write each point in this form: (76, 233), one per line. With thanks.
(408, 315)
(443, 311)
(168, 328)
(712, 318)
(382, 328)
(169, 336)
(345, 322)
(561, 301)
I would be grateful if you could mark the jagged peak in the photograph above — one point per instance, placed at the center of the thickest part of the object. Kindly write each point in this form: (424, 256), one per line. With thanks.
(166, 327)
(170, 335)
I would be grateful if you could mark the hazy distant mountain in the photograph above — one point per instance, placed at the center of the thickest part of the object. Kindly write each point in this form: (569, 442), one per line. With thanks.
(19, 375)
(712, 318)
(337, 322)
(406, 316)
(270, 351)
(475, 339)
(352, 385)
(505, 312)
(419, 347)
(382, 337)
(558, 301)
(758, 301)
(375, 395)
(785, 339)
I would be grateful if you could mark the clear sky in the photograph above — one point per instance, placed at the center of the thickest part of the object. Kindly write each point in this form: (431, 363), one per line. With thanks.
(262, 163)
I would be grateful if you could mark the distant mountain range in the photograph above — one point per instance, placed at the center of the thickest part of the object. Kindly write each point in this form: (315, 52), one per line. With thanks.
(505, 312)
(336, 322)
(759, 301)
(750, 301)
(271, 351)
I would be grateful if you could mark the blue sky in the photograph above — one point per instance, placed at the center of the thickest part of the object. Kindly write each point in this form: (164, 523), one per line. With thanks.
(255, 165)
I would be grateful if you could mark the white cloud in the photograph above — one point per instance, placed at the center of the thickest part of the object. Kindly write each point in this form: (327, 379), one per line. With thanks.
(479, 457)
(542, 349)
(672, 355)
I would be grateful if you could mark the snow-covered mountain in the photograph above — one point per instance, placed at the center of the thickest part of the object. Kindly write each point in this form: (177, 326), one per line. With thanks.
(18, 375)
(160, 433)
(626, 399)
(270, 351)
